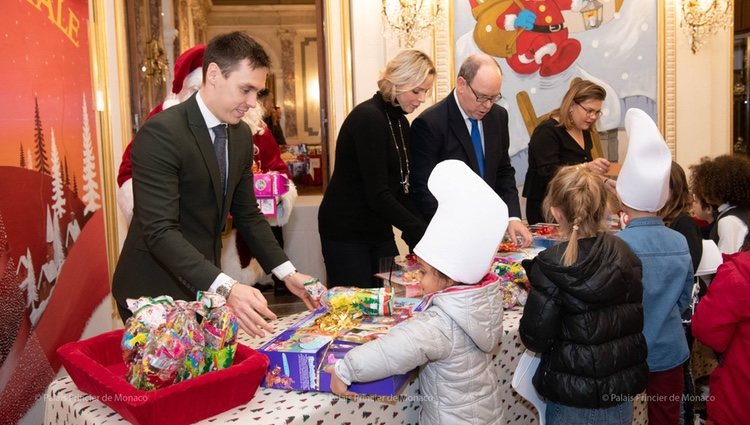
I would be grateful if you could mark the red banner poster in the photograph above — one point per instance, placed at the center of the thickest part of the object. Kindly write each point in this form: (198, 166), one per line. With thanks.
(53, 262)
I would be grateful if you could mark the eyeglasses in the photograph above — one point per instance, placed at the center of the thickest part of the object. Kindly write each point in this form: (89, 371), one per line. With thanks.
(484, 98)
(590, 112)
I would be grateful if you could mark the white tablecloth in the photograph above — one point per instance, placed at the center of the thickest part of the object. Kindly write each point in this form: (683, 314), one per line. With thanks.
(65, 404)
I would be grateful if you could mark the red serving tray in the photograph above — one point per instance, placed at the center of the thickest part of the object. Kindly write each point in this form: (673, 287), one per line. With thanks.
(97, 368)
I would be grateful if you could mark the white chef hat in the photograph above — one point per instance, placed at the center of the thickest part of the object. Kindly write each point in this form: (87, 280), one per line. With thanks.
(469, 224)
(643, 182)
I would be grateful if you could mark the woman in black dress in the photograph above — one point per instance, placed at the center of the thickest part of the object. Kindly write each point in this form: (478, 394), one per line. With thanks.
(563, 139)
(368, 193)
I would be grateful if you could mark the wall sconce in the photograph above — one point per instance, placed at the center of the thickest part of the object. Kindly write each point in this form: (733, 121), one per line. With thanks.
(703, 18)
(410, 20)
(592, 14)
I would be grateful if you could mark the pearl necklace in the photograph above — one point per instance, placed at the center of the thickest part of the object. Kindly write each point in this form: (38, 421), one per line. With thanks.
(404, 175)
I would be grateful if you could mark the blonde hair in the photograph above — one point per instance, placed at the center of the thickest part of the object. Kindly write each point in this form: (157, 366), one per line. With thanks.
(579, 91)
(404, 72)
(581, 198)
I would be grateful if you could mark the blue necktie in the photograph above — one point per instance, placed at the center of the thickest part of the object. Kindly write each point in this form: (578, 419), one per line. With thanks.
(220, 149)
(476, 141)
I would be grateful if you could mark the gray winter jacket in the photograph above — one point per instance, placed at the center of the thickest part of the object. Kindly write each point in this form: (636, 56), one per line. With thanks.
(452, 341)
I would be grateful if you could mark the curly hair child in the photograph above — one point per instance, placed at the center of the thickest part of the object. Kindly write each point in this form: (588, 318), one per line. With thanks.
(725, 181)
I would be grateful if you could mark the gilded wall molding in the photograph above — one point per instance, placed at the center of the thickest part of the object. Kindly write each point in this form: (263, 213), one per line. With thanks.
(667, 70)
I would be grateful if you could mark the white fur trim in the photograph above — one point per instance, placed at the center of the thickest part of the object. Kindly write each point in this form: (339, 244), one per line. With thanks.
(192, 83)
(230, 262)
(169, 102)
(509, 21)
(125, 199)
(287, 204)
(547, 49)
(523, 59)
(577, 5)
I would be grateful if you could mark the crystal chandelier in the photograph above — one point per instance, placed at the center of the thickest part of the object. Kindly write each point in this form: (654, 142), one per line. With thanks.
(703, 18)
(410, 20)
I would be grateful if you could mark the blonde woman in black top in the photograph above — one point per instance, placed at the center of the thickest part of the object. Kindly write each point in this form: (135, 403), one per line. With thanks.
(369, 191)
(563, 139)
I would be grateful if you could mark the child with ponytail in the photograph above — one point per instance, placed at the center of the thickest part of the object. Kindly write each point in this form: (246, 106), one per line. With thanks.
(584, 314)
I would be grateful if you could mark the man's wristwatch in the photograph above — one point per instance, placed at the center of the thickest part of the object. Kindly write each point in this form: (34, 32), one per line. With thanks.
(225, 288)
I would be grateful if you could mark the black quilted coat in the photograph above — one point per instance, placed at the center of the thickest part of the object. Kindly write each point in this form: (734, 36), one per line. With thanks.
(586, 320)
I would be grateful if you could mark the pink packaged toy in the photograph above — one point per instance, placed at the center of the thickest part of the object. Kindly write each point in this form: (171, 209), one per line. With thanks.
(268, 188)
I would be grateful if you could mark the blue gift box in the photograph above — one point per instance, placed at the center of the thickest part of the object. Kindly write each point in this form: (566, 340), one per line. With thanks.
(299, 355)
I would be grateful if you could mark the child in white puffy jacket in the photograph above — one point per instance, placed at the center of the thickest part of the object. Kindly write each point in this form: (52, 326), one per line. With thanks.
(453, 337)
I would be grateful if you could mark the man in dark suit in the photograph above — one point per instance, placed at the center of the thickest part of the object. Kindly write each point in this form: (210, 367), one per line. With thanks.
(467, 125)
(192, 167)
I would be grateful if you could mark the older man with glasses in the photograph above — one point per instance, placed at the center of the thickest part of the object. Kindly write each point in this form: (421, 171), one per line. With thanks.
(469, 126)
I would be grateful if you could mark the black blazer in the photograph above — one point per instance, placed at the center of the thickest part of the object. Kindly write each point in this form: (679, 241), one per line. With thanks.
(173, 246)
(440, 133)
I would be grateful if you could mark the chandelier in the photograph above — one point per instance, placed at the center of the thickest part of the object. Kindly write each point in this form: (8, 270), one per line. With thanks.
(703, 18)
(410, 20)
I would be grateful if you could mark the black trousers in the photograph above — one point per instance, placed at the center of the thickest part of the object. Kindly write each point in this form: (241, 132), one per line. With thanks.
(534, 212)
(355, 263)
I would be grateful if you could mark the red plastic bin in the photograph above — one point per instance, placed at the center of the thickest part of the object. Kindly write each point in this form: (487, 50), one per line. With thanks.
(97, 368)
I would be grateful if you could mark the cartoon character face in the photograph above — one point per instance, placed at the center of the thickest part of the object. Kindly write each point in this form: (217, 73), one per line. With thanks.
(275, 379)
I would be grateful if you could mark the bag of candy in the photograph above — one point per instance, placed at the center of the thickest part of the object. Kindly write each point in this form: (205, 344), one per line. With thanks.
(148, 314)
(162, 361)
(219, 327)
(182, 323)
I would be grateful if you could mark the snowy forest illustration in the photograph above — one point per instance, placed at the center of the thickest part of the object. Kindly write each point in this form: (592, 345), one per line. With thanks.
(62, 226)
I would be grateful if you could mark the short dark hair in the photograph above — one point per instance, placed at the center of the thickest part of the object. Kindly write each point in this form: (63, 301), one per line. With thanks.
(228, 50)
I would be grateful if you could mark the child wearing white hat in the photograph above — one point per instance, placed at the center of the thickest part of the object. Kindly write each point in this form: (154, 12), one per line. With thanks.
(643, 189)
(453, 338)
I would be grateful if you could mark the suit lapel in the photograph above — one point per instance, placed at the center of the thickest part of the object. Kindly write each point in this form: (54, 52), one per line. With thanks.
(203, 139)
(457, 126)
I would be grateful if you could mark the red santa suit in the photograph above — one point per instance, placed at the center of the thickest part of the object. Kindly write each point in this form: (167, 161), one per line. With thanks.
(237, 260)
(188, 77)
(546, 47)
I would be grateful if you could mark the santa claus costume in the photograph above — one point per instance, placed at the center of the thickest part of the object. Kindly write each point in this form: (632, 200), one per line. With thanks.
(237, 260)
(543, 44)
(188, 77)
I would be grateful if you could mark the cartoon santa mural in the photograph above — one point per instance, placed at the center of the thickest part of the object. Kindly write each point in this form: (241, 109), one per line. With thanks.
(530, 34)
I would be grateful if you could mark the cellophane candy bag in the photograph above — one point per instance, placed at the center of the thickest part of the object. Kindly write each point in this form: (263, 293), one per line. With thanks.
(148, 314)
(183, 324)
(219, 327)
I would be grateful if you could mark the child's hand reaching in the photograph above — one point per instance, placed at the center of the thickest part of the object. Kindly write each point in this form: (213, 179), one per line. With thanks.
(338, 386)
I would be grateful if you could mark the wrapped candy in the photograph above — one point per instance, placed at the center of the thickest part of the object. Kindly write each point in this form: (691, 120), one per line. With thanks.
(513, 281)
(315, 289)
(219, 327)
(182, 323)
(162, 361)
(148, 314)
(370, 301)
(173, 351)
